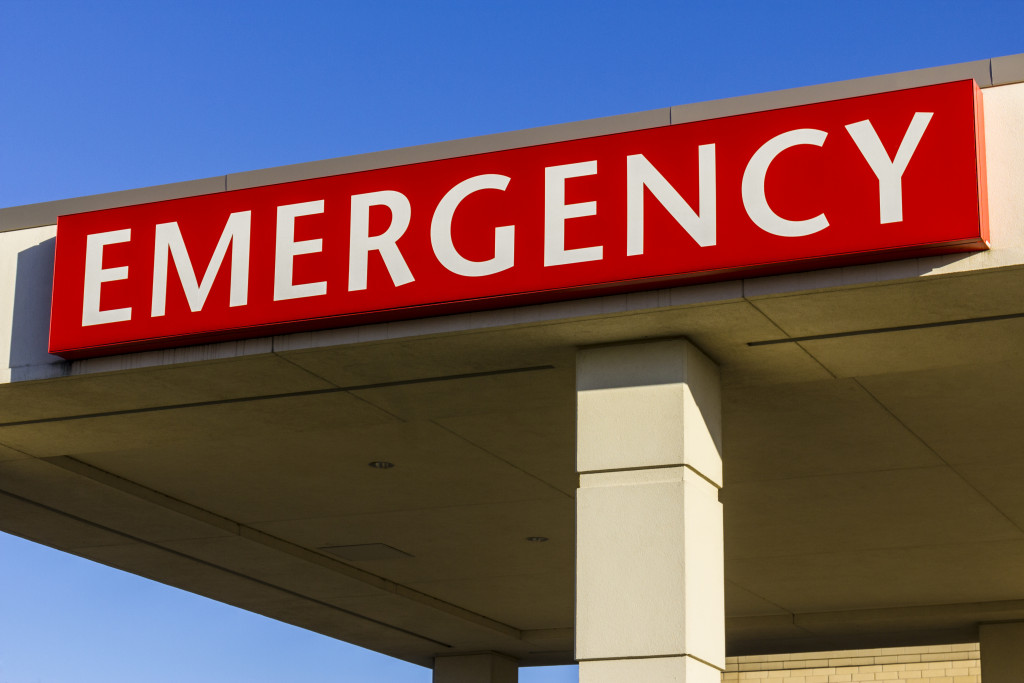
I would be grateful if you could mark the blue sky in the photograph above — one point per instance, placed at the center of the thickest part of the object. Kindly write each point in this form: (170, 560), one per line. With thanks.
(100, 96)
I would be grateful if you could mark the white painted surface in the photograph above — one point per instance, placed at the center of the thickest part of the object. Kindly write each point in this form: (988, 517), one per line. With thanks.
(648, 405)
(649, 568)
(649, 565)
(657, 670)
(26, 280)
(1004, 161)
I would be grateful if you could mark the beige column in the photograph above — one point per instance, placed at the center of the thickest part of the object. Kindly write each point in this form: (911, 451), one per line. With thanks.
(649, 567)
(1002, 652)
(480, 668)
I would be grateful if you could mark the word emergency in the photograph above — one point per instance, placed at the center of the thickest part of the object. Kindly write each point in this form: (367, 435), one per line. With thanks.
(882, 176)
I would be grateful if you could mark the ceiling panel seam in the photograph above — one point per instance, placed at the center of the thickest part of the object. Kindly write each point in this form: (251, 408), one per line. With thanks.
(825, 475)
(355, 396)
(206, 563)
(270, 397)
(17, 450)
(885, 330)
(758, 595)
(938, 455)
(862, 548)
(781, 330)
(456, 506)
(159, 499)
(300, 367)
(500, 459)
(953, 609)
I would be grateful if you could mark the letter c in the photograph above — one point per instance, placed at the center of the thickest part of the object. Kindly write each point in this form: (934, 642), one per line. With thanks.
(754, 200)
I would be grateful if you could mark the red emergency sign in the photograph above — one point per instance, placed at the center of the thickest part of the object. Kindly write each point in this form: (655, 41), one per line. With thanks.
(872, 178)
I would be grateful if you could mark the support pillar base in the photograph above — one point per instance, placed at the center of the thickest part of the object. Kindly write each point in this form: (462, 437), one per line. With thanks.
(649, 670)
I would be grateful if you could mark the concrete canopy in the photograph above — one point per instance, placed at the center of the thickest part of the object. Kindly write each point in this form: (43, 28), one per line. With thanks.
(871, 441)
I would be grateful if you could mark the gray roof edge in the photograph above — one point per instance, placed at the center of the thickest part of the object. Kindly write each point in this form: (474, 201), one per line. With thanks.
(46, 213)
(986, 72)
(1008, 69)
(980, 71)
(453, 148)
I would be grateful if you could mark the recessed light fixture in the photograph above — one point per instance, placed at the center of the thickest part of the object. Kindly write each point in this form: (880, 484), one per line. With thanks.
(382, 465)
(537, 539)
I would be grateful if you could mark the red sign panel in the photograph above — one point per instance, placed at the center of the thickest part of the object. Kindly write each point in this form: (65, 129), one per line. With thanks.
(864, 179)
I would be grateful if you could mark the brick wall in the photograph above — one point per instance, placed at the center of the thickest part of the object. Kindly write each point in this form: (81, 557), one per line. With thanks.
(931, 664)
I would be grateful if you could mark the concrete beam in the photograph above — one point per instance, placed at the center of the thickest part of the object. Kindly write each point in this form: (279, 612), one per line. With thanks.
(489, 667)
(1002, 652)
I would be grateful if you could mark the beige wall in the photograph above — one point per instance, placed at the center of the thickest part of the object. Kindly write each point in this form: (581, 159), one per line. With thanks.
(931, 664)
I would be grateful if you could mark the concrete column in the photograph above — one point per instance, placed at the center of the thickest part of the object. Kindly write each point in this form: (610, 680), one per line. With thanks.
(1002, 652)
(649, 567)
(481, 668)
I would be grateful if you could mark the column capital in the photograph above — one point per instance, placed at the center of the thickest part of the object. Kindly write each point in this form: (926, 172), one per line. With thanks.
(648, 404)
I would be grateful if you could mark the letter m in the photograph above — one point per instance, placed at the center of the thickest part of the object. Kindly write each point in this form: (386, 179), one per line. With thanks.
(169, 243)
